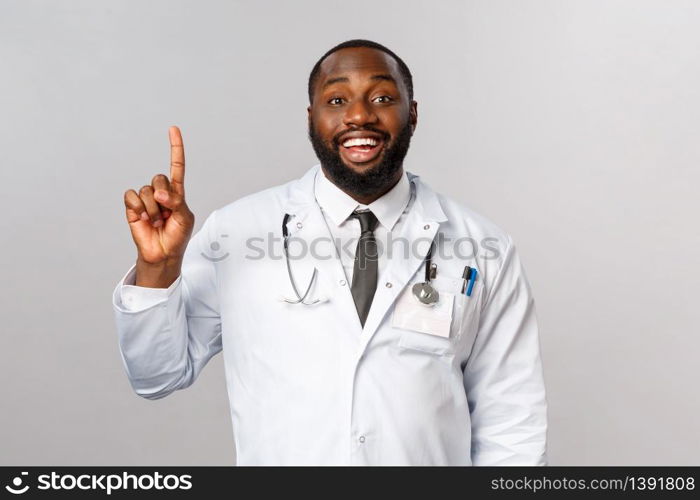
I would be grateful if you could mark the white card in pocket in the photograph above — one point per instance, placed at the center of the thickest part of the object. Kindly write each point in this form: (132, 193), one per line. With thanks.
(410, 314)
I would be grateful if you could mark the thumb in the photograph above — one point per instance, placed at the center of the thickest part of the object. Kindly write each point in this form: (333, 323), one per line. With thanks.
(168, 199)
(175, 202)
(171, 200)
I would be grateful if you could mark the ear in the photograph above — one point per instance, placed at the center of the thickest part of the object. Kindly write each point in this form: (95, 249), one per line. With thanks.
(308, 110)
(413, 115)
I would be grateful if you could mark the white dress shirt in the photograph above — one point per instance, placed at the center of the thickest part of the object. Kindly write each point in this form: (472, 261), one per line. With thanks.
(390, 209)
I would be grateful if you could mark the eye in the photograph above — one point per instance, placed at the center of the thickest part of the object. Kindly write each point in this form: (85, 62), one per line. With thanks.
(385, 97)
(332, 99)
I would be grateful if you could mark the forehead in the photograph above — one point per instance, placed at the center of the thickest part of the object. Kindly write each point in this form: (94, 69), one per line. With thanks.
(358, 62)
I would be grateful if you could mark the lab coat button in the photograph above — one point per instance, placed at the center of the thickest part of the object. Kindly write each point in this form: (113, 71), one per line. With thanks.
(361, 439)
(388, 284)
(299, 225)
(427, 226)
(342, 282)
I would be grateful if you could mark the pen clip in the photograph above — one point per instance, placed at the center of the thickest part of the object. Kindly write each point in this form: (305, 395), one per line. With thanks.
(465, 277)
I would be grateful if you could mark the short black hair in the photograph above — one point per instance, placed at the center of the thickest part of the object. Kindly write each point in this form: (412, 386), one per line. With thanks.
(405, 72)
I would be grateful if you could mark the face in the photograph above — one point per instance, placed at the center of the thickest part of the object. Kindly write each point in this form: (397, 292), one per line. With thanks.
(361, 120)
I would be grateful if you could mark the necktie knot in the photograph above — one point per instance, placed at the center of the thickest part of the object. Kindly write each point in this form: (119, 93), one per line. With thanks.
(368, 221)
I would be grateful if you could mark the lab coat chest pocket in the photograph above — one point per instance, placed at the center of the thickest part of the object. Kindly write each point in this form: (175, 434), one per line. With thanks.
(442, 329)
(467, 315)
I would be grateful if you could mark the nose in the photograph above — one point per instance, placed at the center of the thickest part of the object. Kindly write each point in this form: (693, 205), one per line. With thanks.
(359, 113)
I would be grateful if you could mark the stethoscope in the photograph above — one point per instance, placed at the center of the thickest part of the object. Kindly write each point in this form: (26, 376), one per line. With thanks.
(423, 292)
(300, 298)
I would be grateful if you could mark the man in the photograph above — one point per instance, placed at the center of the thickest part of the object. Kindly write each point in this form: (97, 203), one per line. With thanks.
(373, 337)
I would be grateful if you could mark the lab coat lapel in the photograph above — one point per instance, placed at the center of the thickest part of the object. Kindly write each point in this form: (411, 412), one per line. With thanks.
(422, 224)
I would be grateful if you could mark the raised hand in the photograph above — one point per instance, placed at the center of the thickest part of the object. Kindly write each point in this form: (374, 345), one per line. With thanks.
(161, 223)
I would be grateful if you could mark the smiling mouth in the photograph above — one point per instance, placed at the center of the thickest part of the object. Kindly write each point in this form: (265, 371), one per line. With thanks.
(361, 150)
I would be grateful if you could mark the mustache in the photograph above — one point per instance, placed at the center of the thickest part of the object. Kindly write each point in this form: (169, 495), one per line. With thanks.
(384, 135)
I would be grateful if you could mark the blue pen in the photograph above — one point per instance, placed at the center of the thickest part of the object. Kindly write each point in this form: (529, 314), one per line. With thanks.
(471, 282)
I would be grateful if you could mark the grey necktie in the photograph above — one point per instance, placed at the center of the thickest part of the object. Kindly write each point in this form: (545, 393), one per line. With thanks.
(364, 275)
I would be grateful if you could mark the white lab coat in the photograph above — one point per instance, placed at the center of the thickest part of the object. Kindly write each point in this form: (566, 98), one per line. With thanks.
(308, 384)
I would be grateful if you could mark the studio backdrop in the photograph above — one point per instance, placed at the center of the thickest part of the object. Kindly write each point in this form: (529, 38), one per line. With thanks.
(573, 125)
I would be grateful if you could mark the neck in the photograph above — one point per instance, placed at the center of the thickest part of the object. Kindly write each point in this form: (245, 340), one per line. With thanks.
(366, 199)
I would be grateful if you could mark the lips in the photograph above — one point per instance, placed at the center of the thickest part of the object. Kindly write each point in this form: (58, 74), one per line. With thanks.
(361, 147)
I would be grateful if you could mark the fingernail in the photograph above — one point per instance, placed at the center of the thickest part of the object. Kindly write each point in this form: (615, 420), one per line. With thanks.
(144, 216)
(158, 223)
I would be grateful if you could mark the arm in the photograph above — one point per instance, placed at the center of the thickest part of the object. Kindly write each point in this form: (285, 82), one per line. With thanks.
(167, 337)
(503, 377)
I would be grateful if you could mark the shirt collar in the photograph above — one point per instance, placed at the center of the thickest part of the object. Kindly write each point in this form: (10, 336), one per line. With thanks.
(339, 205)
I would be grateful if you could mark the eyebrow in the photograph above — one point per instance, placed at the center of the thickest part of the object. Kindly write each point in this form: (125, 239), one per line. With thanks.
(345, 79)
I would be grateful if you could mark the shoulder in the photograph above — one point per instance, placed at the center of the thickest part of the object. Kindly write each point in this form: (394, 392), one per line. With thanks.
(258, 210)
(258, 202)
(236, 224)
(472, 238)
(254, 215)
(464, 221)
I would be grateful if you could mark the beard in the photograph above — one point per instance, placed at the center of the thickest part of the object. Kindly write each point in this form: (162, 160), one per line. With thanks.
(374, 180)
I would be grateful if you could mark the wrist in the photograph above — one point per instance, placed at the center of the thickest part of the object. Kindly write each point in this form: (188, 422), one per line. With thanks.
(158, 275)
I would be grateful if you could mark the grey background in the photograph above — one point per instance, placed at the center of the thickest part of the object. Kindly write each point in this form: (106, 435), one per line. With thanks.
(572, 124)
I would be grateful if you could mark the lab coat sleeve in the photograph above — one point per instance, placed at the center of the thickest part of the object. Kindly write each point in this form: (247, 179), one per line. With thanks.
(503, 376)
(167, 336)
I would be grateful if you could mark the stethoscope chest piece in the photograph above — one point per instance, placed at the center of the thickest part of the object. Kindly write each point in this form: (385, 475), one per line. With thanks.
(425, 294)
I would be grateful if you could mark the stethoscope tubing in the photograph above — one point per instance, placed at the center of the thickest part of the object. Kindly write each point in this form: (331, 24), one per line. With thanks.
(300, 298)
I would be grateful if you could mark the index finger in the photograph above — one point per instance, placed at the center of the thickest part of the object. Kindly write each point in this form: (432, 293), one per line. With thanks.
(177, 161)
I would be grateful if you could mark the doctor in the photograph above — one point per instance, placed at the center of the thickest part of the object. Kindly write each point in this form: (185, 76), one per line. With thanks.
(364, 319)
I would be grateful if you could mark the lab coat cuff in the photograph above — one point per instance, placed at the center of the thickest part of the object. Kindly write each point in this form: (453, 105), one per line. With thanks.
(131, 298)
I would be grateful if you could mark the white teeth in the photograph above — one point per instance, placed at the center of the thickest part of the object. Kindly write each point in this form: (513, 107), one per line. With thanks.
(360, 141)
